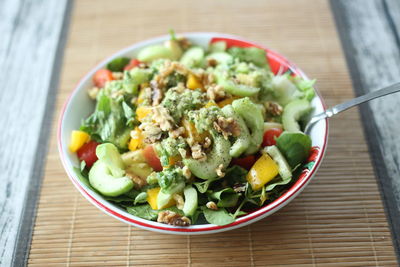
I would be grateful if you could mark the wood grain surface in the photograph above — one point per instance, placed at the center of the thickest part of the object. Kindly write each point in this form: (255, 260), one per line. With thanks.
(337, 221)
(30, 36)
(371, 39)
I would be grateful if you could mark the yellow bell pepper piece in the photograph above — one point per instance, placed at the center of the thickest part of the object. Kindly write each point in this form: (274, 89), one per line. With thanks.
(211, 104)
(226, 102)
(152, 195)
(136, 139)
(263, 171)
(142, 112)
(78, 139)
(193, 82)
(173, 160)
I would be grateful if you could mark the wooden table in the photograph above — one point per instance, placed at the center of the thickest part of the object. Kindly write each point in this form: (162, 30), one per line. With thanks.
(33, 36)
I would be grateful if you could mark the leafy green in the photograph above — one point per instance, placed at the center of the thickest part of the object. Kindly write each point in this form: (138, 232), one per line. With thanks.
(254, 55)
(295, 146)
(235, 175)
(277, 181)
(171, 180)
(226, 197)
(202, 187)
(109, 120)
(140, 198)
(143, 211)
(218, 217)
(118, 64)
(306, 87)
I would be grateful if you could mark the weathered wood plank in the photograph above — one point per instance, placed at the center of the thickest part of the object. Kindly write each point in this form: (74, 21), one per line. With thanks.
(30, 35)
(370, 37)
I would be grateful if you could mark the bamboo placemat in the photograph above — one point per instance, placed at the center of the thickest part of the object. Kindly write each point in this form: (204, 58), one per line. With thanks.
(338, 219)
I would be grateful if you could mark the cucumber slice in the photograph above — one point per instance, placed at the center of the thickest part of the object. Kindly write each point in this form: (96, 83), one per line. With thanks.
(238, 89)
(190, 206)
(221, 57)
(101, 179)
(163, 199)
(154, 52)
(218, 155)
(284, 89)
(292, 112)
(109, 155)
(284, 169)
(193, 57)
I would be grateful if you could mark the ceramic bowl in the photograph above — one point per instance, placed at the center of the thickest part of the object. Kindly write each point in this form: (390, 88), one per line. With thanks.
(79, 106)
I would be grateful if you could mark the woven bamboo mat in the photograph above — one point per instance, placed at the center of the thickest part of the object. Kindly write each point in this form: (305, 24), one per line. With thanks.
(337, 220)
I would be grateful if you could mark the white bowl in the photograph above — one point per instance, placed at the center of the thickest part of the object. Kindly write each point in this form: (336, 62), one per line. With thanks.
(79, 106)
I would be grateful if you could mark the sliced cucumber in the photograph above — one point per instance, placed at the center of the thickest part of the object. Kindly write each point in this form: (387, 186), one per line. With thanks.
(102, 180)
(154, 52)
(221, 57)
(193, 57)
(206, 169)
(284, 89)
(163, 199)
(284, 169)
(109, 155)
(191, 204)
(292, 112)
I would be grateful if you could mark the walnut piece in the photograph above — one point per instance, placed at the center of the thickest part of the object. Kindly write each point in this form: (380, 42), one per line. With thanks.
(150, 132)
(93, 92)
(273, 108)
(186, 172)
(211, 205)
(172, 218)
(162, 118)
(176, 133)
(197, 152)
(227, 127)
(179, 201)
(117, 75)
(139, 182)
(215, 92)
(219, 171)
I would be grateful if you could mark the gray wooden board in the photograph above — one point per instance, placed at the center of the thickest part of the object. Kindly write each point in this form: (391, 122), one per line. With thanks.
(30, 49)
(370, 31)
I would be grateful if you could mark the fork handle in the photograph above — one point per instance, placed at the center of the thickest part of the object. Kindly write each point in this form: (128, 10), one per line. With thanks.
(361, 99)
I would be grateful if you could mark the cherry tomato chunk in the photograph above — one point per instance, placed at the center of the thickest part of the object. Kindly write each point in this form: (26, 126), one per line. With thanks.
(87, 153)
(152, 158)
(133, 63)
(270, 136)
(246, 162)
(101, 77)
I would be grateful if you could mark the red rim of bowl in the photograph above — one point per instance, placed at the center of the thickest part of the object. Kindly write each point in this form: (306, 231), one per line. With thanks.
(262, 212)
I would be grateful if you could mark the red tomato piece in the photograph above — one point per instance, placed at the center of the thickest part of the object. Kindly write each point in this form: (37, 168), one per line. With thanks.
(133, 63)
(270, 135)
(87, 153)
(152, 158)
(101, 77)
(246, 162)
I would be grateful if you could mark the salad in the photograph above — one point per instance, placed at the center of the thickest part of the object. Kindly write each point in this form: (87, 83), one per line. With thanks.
(184, 135)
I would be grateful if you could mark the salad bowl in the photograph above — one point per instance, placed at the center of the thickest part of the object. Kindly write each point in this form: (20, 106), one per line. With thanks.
(79, 106)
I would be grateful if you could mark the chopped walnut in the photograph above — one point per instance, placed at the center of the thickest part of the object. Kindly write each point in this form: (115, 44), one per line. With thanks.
(207, 142)
(212, 62)
(273, 108)
(117, 75)
(219, 171)
(239, 188)
(179, 201)
(227, 127)
(139, 182)
(172, 218)
(186, 172)
(184, 43)
(215, 92)
(168, 68)
(161, 117)
(197, 152)
(176, 133)
(211, 205)
(156, 94)
(245, 79)
(93, 92)
(150, 132)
